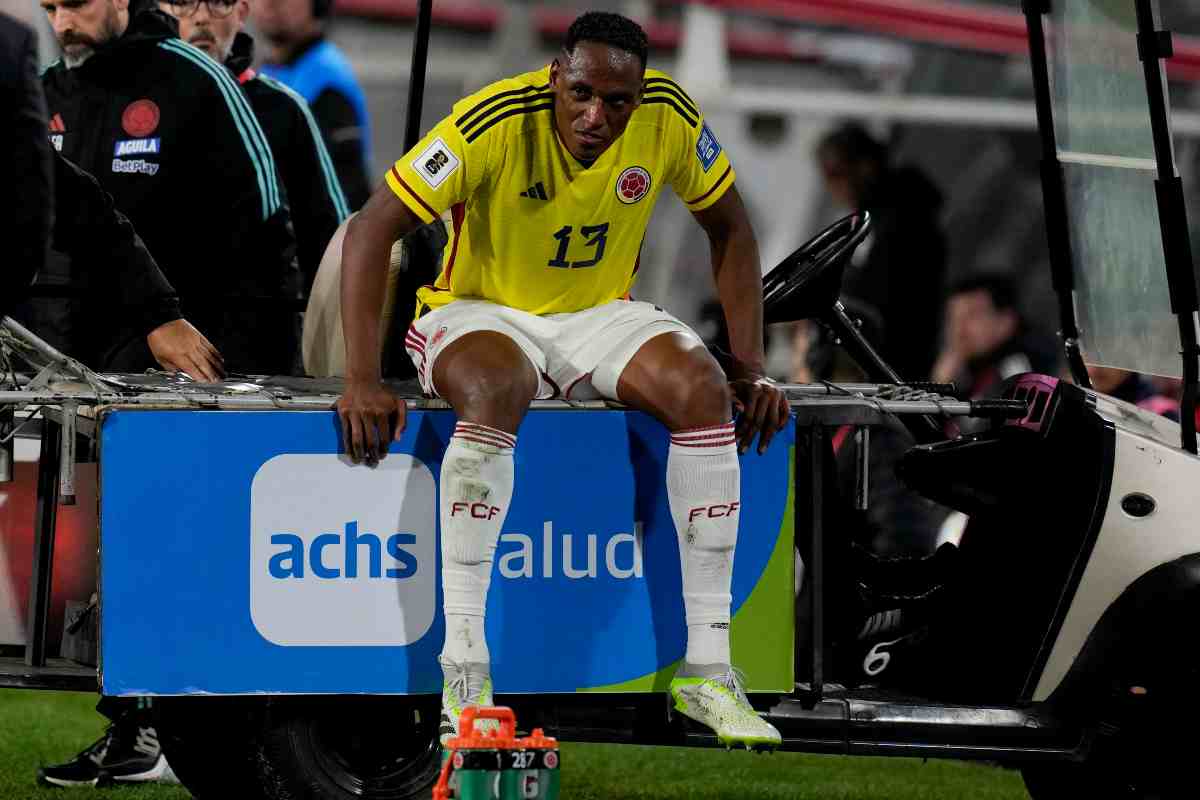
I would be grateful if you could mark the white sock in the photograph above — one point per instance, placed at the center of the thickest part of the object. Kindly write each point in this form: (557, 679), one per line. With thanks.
(477, 486)
(704, 492)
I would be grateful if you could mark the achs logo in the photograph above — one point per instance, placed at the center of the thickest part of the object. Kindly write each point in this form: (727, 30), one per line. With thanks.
(437, 337)
(342, 555)
(707, 148)
(632, 185)
(436, 163)
(137, 147)
(140, 118)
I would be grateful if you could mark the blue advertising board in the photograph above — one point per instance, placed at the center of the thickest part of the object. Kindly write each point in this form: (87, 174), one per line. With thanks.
(240, 553)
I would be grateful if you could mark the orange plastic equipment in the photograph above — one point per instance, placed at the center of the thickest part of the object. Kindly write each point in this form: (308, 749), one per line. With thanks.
(538, 740)
(471, 739)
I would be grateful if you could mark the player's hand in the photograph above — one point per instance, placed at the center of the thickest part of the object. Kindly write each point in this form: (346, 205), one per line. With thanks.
(372, 417)
(179, 346)
(763, 410)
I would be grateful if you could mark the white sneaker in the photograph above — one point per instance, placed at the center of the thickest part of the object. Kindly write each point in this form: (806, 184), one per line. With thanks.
(717, 701)
(465, 685)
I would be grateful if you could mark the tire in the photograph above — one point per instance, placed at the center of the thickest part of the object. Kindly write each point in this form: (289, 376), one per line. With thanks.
(336, 748)
(1143, 763)
(213, 744)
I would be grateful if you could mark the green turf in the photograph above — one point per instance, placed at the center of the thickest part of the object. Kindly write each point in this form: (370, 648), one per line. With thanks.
(618, 772)
(46, 727)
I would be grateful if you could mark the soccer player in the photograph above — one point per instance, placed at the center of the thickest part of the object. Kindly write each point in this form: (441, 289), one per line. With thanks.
(552, 177)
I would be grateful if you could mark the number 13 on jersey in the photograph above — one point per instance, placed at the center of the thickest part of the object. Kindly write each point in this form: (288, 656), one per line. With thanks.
(595, 236)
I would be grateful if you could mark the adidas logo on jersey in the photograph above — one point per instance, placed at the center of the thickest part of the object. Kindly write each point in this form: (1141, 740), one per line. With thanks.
(536, 192)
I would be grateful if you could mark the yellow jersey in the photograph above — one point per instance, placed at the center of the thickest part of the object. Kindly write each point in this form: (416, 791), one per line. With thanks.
(535, 229)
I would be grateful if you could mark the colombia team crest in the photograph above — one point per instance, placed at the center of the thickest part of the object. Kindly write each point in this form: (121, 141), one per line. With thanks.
(633, 184)
(140, 118)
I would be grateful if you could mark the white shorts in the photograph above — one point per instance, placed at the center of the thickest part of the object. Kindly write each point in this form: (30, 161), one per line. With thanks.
(577, 356)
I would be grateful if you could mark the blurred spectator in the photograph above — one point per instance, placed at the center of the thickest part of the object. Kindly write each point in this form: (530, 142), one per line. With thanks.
(1133, 388)
(900, 270)
(310, 184)
(184, 158)
(301, 57)
(985, 339)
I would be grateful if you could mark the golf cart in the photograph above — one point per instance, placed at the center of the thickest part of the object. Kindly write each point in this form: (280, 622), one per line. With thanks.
(281, 606)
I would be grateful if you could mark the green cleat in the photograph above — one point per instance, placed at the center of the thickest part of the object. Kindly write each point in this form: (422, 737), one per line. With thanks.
(717, 701)
(465, 685)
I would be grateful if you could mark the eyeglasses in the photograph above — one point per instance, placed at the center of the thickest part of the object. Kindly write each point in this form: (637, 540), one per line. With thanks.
(216, 8)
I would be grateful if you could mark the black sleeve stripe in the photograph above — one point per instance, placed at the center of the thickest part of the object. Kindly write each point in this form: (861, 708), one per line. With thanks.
(669, 102)
(511, 112)
(490, 113)
(650, 84)
(713, 188)
(667, 90)
(498, 96)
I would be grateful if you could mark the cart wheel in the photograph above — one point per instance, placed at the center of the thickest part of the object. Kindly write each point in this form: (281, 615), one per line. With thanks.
(213, 744)
(1143, 763)
(328, 748)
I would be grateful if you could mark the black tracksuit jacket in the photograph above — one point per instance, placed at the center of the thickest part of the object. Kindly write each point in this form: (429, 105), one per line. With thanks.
(170, 136)
(25, 165)
(310, 183)
(51, 200)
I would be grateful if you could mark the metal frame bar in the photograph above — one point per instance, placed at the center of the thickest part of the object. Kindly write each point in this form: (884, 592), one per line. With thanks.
(44, 525)
(815, 399)
(1054, 193)
(1154, 47)
(416, 81)
(816, 570)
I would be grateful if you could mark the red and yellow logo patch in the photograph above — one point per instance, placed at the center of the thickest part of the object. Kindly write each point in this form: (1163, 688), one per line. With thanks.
(632, 185)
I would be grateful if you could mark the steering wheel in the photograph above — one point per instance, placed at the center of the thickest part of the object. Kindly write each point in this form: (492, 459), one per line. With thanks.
(806, 284)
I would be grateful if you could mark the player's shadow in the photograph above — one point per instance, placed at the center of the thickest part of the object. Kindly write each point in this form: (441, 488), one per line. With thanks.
(648, 444)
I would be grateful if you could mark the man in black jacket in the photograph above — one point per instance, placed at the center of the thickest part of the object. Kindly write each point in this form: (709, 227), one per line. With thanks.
(310, 183)
(899, 272)
(79, 219)
(131, 288)
(26, 170)
(171, 137)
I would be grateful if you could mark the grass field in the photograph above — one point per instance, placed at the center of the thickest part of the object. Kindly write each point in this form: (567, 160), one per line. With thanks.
(46, 727)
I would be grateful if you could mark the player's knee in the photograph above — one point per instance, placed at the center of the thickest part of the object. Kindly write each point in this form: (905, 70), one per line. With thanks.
(703, 393)
(483, 394)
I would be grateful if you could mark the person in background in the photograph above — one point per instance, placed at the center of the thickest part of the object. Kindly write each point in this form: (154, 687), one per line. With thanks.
(310, 183)
(301, 57)
(121, 281)
(1134, 388)
(53, 202)
(985, 340)
(26, 170)
(900, 270)
(185, 159)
